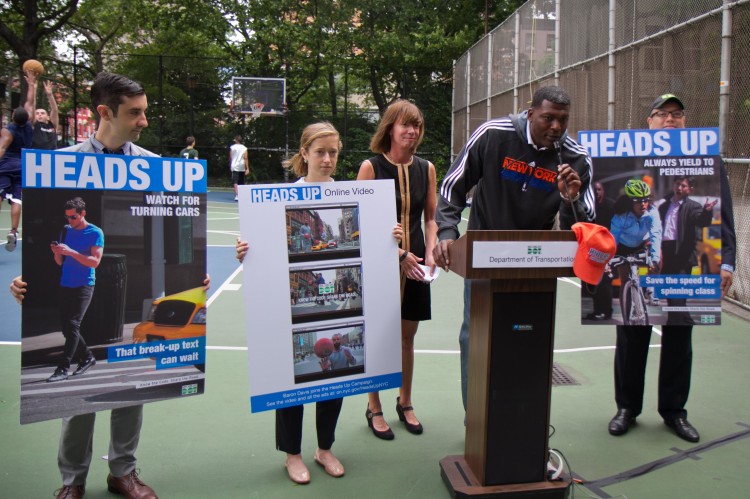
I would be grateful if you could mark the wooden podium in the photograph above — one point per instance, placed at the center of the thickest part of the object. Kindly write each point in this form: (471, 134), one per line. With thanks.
(510, 365)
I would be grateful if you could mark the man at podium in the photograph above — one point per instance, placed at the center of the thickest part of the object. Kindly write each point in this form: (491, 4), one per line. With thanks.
(526, 169)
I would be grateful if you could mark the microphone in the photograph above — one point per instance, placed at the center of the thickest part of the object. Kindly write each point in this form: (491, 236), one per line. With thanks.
(558, 150)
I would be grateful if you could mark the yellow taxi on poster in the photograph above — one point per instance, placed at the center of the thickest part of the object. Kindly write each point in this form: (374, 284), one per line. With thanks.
(181, 315)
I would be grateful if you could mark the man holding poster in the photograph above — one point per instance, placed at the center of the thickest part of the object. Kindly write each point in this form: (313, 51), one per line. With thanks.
(680, 216)
(120, 105)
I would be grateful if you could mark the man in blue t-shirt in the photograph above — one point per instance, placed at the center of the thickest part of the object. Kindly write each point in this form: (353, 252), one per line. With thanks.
(79, 254)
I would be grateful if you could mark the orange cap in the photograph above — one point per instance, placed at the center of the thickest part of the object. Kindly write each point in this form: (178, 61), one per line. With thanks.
(596, 246)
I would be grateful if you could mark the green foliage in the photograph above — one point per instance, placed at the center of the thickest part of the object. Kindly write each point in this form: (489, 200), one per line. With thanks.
(335, 54)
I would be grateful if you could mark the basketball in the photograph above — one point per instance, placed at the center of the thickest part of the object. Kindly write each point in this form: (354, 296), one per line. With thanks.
(323, 347)
(33, 65)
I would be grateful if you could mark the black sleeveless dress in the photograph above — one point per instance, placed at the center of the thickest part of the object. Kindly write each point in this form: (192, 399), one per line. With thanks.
(412, 183)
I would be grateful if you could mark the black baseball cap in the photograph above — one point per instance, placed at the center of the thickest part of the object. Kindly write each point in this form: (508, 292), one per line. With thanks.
(664, 98)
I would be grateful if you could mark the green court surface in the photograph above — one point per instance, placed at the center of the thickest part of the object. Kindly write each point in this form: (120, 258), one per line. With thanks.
(212, 446)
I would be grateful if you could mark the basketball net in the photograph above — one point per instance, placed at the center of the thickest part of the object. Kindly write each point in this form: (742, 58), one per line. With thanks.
(256, 109)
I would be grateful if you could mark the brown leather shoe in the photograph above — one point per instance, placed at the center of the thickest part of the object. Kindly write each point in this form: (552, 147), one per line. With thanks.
(70, 492)
(130, 486)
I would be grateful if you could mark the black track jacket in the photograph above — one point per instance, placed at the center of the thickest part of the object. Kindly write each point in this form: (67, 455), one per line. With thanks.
(516, 184)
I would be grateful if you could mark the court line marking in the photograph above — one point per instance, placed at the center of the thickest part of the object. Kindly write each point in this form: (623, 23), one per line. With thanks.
(435, 352)
(224, 285)
(228, 286)
(225, 232)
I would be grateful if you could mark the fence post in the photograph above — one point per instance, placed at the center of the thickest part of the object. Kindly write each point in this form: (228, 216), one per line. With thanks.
(489, 37)
(467, 72)
(161, 105)
(612, 71)
(557, 43)
(725, 72)
(516, 55)
(75, 94)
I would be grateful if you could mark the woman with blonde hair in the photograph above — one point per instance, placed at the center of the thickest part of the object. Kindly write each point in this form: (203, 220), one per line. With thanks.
(399, 133)
(315, 162)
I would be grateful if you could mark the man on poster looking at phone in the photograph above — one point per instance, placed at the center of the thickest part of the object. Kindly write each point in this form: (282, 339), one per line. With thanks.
(340, 358)
(79, 254)
(676, 359)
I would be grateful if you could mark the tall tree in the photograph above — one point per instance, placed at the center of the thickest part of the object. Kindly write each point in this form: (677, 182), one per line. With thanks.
(25, 23)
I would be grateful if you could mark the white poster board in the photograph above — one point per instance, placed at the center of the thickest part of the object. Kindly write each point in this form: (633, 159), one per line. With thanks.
(322, 262)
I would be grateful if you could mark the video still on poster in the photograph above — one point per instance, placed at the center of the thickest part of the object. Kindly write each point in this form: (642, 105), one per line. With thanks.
(114, 255)
(326, 292)
(313, 233)
(329, 351)
(659, 193)
(324, 271)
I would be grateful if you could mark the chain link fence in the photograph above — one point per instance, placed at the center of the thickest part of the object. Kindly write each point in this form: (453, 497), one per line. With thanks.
(614, 57)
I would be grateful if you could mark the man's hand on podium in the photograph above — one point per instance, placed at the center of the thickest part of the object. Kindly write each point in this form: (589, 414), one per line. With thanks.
(441, 254)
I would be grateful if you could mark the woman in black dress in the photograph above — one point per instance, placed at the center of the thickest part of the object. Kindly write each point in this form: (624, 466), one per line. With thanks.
(399, 133)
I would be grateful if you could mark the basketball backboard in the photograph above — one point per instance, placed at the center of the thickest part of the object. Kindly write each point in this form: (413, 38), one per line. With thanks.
(247, 92)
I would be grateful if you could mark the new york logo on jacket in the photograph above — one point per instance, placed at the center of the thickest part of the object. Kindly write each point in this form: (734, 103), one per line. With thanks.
(528, 175)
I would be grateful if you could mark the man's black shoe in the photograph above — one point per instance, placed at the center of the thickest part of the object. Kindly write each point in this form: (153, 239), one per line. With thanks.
(85, 365)
(598, 317)
(683, 429)
(621, 423)
(60, 374)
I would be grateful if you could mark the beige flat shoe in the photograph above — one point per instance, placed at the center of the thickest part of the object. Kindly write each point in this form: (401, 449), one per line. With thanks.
(329, 463)
(297, 471)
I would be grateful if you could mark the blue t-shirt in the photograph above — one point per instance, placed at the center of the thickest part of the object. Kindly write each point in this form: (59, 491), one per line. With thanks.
(75, 275)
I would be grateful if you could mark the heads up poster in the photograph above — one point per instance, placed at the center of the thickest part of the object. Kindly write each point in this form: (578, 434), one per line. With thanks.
(659, 193)
(114, 256)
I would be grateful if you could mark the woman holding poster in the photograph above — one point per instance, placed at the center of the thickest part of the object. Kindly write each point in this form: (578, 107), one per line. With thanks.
(399, 133)
(315, 162)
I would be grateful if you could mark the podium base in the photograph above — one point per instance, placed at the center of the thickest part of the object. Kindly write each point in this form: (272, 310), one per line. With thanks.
(462, 483)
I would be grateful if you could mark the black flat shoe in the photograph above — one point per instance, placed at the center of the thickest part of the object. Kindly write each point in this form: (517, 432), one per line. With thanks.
(416, 429)
(386, 434)
(621, 423)
(683, 429)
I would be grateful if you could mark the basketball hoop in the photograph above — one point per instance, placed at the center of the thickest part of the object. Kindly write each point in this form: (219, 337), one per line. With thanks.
(256, 109)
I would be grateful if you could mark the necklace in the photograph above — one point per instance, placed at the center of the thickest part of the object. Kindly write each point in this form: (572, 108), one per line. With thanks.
(411, 159)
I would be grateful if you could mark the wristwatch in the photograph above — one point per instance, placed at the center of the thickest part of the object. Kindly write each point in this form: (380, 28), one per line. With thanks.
(403, 256)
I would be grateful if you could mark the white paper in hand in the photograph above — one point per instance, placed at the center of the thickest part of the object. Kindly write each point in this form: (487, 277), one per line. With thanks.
(427, 276)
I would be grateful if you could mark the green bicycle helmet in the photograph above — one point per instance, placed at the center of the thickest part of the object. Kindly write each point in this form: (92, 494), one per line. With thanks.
(637, 189)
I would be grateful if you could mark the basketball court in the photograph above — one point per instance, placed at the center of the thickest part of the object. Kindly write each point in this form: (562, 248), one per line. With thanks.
(211, 446)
